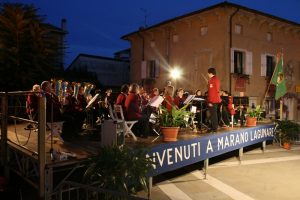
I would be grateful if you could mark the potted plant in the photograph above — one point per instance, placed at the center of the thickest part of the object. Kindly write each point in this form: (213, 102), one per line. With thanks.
(286, 131)
(170, 122)
(119, 169)
(253, 114)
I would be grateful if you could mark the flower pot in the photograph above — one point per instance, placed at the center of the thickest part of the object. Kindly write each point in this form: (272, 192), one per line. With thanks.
(251, 121)
(287, 145)
(169, 133)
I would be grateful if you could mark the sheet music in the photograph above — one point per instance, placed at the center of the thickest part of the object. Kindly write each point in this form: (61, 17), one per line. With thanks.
(198, 99)
(92, 101)
(156, 101)
(189, 99)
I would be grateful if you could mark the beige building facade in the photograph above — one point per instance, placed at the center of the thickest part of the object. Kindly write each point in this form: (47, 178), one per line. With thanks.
(239, 42)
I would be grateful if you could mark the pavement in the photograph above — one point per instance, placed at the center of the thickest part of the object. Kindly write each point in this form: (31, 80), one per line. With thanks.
(270, 175)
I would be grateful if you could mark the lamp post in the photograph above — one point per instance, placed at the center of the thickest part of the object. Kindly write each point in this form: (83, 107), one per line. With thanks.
(175, 73)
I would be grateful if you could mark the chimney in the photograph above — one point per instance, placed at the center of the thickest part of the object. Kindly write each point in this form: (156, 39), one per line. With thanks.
(64, 25)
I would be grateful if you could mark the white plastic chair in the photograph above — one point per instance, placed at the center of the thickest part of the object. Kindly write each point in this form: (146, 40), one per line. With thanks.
(119, 116)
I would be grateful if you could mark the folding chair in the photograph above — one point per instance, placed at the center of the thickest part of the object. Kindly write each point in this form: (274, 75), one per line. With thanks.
(118, 115)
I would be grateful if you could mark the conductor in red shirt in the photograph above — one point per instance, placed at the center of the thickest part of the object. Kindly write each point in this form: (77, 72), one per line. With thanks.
(213, 97)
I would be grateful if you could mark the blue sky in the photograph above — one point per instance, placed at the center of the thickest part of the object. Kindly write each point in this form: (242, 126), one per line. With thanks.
(96, 26)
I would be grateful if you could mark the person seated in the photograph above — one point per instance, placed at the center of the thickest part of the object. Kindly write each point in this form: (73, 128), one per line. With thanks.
(53, 106)
(133, 112)
(32, 105)
(155, 92)
(179, 98)
(168, 102)
(122, 96)
(144, 97)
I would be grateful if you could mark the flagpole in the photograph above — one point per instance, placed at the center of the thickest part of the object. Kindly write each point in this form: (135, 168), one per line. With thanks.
(270, 80)
(281, 109)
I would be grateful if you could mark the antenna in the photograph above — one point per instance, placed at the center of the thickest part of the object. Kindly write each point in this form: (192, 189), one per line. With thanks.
(145, 16)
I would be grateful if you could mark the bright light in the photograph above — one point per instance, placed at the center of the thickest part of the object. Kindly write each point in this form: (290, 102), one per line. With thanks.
(175, 73)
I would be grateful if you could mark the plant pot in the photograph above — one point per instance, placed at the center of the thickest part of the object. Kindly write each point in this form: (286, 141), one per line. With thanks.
(169, 133)
(287, 145)
(251, 121)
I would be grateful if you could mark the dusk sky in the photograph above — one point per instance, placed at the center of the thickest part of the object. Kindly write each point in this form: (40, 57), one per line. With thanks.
(96, 26)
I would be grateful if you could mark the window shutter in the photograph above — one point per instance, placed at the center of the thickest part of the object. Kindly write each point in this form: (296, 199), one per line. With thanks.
(263, 67)
(248, 67)
(232, 60)
(144, 69)
(157, 68)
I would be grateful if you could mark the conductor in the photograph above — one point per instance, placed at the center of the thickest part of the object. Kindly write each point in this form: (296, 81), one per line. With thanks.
(213, 97)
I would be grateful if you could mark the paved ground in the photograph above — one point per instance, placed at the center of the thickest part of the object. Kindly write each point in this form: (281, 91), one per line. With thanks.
(274, 175)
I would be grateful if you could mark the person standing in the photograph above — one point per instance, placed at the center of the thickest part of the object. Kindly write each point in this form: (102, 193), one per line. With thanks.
(213, 97)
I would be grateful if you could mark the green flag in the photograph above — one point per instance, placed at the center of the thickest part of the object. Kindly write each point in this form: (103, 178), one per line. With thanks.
(278, 79)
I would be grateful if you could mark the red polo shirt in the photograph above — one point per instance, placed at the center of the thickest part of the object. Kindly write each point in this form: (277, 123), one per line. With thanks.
(213, 90)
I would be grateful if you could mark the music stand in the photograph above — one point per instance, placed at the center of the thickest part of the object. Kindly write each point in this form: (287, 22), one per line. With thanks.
(89, 115)
(155, 102)
(201, 100)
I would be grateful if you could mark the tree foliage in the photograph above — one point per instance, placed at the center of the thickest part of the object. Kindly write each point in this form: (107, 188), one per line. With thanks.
(29, 51)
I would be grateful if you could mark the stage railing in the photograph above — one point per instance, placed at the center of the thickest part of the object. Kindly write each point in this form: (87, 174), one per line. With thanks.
(78, 191)
(13, 108)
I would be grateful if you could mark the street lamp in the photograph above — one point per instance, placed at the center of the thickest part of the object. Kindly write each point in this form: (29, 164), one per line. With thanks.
(175, 73)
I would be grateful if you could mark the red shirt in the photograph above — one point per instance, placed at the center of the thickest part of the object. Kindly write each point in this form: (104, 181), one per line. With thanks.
(230, 107)
(121, 100)
(168, 102)
(179, 101)
(132, 107)
(213, 90)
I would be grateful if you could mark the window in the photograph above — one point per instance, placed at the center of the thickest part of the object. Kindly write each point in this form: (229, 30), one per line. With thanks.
(238, 29)
(203, 30)
(238, 62)
(267, 65)
(175, 38)
(152, 44)
(269, 37)
(270, 66)
(241, 61)
(151, 69)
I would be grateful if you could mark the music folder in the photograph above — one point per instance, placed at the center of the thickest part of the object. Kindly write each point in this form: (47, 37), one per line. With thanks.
(156, 101)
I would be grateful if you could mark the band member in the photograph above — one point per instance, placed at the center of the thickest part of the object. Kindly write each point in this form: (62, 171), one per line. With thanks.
(133, 112)
(168, 95)
(32, 102)
(32, 105)
(122, 96)
(213, 97)
(179, 98)
(155, 92)
(224, 112)
(53, 105)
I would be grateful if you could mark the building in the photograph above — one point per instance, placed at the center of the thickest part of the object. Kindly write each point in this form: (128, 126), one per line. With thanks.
(110, 72)
(241, 43)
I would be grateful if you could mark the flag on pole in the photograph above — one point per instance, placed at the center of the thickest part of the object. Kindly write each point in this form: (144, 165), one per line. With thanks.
(278, 79)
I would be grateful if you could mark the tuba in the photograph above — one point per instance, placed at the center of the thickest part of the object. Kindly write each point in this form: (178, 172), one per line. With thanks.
(64, 87)
(57, 88)
(76, 89)
(87, 90)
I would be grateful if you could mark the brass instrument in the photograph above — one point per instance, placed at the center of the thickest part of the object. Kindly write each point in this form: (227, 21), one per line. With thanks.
(76, 89)
(87, 90)
(64, 87)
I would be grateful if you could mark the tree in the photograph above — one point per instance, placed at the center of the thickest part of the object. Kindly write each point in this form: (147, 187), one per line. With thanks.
(29, 51)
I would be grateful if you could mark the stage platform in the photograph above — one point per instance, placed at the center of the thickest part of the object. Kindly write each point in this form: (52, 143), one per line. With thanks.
(87, 144)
